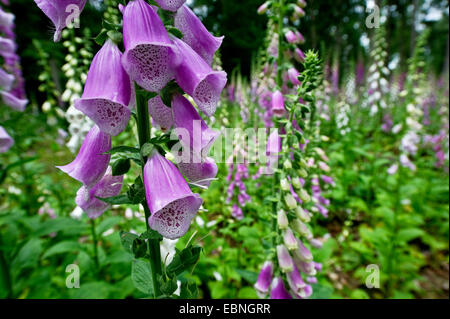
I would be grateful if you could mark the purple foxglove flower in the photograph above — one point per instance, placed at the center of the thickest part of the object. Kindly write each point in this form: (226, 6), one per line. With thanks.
(199, 173)
(290, 36)
(308, 291)
(316, 243)
(327, 179)
(278, 291)
(299, 55)
(13, 102)
(5, 140)
(7, 46)
(170, 5)
(263, 8)
(284, 259)
(90, 164)
(160, 113)
(149, 55)
(170, 200)
(307, 267)
(295, 281)
(59, 12)
(199, 137)
(6, 80)
(107, 92)
(293, 76)
(289, 240)
(196, 35)
(301, 3)
(302, 253)
(197, 79)
(237, 212)
(6, 19)
(264, 279)
(300, 37)
(299, 12)
(108, 186)
(278, 103)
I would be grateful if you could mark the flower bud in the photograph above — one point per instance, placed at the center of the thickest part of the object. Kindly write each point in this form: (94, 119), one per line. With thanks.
(284, 259)
(301, 228)
(287, 164)
(282, 220)
(302, 172)
(296, 183)
(284, 184)
(290, 201)
(304, 196)
(289, 239)
(263, 8)
(302, 215)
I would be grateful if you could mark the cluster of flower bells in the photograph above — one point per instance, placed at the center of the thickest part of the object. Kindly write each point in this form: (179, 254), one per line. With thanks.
(12, 92)
(152, 59)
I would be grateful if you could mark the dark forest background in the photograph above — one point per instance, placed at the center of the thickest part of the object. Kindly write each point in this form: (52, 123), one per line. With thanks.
(336, 28)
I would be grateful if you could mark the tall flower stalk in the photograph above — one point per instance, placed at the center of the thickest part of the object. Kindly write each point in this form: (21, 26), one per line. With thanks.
(290, 266)
(124, 85)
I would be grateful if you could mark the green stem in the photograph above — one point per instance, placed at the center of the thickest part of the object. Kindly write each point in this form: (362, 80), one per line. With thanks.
(280, 44)
(143, 123)
(95, 244)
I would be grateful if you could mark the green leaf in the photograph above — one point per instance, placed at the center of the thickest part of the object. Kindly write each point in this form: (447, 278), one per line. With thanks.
(136, 192)
(151, 234)
(142, 277)
(174, 31)
(139, 248)
(321, 292)
(121, 166)
(406, 235)
(249, 276)
(28, 255)
(184, 259)
(123, 150)
(188, 290)
(101, 37)
(127, 240)
(62, 248)
(147, 149)
(108, 223)
(115, 36)
(168, 287)
(60, 224)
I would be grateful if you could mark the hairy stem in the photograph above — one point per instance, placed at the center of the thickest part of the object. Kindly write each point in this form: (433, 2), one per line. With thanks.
(143, 123)
(95, 244)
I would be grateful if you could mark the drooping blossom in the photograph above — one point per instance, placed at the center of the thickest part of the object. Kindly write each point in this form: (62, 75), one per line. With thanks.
(161, 114)
(170, 200)
(60, 12)
(278, 290)
(199, 137)
(108, 186)
(199, 173)
(278, 103)
(264, 279)
(149, 57)
(196, 35)
(5, 140)
(107, 92)
(91, 163)
(197, 78)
